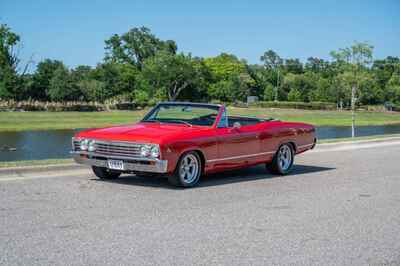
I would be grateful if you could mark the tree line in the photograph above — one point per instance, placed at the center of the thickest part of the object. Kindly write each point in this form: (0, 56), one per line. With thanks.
(139, 67)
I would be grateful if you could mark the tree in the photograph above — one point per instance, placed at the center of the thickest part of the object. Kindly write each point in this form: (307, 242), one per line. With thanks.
(294, 95)
(117, 79)
(39, 89)
(299, 87)
(224, 66)
(92, 90)
(221, 90)
(323, 90)
(383, 69)
(197, 91)
(9, 80)
(315, 64)
(135, 46)
(293, 66)
(354, 61)
(62, 87)
(268, 92)
(273, 62)
(80, 73)
(232, 81)
(393, 87)
(262, 80)
(170, 73)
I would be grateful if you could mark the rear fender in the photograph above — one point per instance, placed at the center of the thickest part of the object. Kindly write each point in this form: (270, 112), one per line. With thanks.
(291, 141)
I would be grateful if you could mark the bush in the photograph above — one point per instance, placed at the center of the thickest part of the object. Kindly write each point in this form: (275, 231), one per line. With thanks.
(124, 106)
(67, 106)
(121, 102)
(296, 105)
(50, 106)
(396, 108)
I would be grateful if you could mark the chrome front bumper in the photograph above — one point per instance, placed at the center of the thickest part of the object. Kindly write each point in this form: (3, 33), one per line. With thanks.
(130, 164)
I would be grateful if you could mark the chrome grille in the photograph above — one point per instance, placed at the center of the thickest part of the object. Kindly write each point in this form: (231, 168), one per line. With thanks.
(112, 148)
(118, 148)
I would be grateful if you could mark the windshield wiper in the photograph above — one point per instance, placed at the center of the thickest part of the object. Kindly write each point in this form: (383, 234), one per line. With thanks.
(169, 120)
(152, 120)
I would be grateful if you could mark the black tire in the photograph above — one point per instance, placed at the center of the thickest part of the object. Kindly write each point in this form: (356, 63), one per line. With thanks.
(104, 173)
(176, 179)
(276, 166)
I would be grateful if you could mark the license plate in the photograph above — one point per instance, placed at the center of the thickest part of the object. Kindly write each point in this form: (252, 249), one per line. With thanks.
(115, 164)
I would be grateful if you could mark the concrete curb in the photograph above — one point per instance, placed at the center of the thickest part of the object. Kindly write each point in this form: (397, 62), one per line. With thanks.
(41, 168)
(355, 142)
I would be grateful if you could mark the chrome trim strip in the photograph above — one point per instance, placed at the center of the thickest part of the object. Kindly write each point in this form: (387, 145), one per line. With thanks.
(241, 156)
(119, 143)
(252, 155)
(303, 146)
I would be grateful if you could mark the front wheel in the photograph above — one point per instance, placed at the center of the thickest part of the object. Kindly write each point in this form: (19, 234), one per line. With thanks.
(282, 162)
(188, 170)
(104, 173)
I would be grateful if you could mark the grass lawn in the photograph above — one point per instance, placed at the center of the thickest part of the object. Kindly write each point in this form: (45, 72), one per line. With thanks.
(19, 121)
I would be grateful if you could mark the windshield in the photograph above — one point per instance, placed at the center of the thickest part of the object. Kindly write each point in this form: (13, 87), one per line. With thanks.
(199, 115)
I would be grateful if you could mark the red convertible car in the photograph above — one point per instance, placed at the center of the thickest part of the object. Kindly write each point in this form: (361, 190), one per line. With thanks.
(186, 140)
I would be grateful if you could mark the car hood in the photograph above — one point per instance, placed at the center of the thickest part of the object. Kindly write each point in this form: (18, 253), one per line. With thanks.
(141, 132)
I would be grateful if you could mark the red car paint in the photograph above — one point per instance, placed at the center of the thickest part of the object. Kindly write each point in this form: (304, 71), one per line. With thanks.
(220, 148)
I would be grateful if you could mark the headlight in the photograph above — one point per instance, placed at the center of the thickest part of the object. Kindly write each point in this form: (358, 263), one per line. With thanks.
(155, 152)
(145, 150)
(150, 151)
(91, 146)
(84, 144)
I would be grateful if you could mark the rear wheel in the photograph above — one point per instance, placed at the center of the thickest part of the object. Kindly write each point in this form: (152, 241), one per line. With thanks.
(104, 173)
(282, 162)
(188, 170)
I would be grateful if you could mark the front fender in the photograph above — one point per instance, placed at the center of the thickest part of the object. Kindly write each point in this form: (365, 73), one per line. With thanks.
(172, 152)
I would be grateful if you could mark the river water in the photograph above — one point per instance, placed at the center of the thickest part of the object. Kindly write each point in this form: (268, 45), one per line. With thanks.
(56, 144)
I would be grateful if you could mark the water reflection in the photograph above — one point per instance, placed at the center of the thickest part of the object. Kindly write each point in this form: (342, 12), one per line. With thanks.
(328, 132)
(35, 145)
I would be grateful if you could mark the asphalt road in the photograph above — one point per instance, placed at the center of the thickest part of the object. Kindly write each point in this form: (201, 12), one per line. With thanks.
(341, 206)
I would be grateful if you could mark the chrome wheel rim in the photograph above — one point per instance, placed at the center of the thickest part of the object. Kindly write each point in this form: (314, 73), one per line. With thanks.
(285, 157)
(189, 168)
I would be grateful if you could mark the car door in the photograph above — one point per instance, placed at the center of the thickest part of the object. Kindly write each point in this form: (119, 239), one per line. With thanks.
(237, 146)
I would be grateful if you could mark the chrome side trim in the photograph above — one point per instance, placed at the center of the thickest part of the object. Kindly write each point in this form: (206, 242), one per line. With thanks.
(253, 155)
(241, 156)
(304, 146)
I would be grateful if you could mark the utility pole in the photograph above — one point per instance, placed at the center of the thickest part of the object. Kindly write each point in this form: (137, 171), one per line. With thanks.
(353, 115)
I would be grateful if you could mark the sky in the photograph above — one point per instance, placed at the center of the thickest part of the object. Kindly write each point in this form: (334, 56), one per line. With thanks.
(74, 31)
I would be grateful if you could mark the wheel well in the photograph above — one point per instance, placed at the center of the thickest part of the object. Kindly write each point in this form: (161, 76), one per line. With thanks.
(202, 159)
(293, 145)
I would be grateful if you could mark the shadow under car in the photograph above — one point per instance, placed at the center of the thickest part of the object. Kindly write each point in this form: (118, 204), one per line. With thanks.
(221, 178)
